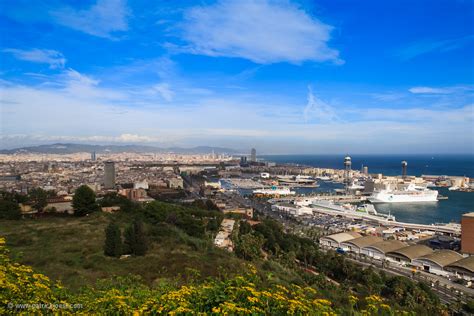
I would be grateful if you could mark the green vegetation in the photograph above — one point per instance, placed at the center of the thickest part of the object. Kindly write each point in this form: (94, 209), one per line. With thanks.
(113, 241)
(38, 198)
(181, 271)
(83, 201)
(240, 295)
(135, 240)
(9, 205)
(9, 210)
(292, 252)
(71, 249)
(249, 246)
(192, 220)
(114, 199)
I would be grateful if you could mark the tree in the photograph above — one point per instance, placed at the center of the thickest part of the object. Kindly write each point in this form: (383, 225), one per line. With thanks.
(83, 201)
(39, 199)
(9, 210)
(212, 225)
(114, 199)
(211, 205)
(469, 306)
(249, 246)
(244, 228)
(13, 196)
(135, 239)
(113, 241)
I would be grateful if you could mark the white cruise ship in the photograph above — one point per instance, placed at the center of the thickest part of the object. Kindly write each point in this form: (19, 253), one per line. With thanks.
(274, 191)
(411, 194)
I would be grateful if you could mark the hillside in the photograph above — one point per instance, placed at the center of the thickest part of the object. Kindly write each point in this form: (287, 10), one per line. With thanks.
(71, 250)
(274, 271)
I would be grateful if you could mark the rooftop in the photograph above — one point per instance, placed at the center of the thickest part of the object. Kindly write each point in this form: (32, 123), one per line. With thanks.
(341, 237)
(387, 245)
(442, 257)
(364, 241)
(465, 264)
(412, 252)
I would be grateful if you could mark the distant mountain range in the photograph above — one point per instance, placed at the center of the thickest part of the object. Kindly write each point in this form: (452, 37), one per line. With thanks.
(59, 148)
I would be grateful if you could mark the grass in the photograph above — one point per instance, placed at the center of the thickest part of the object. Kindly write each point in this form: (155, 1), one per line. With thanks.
(70, 249)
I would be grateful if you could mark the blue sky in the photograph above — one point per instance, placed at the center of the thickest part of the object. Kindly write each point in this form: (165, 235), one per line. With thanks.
(281, 76)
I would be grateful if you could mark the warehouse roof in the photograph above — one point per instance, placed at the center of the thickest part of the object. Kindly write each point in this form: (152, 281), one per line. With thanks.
(341, 237)
(442, 257)
(387, 245)
(412, 252)
(364, 241)
(464, 264)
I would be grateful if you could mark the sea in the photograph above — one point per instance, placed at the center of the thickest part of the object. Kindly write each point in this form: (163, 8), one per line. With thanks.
(443, 211)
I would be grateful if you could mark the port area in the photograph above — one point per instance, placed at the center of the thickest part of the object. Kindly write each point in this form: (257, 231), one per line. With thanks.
(307, 205)
(319, 223)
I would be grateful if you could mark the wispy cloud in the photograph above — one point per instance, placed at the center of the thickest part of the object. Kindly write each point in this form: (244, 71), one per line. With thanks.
(441, 46)
(429, 90)
(261, 31)
(85, 87)
(81, 108)
(387, 96)
(45, 56)
(317, 110)
(441, 90)
(164, 90)
(102, 19)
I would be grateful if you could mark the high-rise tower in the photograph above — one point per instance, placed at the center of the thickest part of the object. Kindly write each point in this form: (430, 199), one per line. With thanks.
(404, 169)
(347, 171)
(109, 175)
(253, 155)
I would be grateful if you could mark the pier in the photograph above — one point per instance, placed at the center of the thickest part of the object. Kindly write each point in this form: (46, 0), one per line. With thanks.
(450, 229)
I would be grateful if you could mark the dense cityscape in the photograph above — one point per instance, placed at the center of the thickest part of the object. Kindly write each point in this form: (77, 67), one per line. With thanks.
(237, 157)
(246, 189)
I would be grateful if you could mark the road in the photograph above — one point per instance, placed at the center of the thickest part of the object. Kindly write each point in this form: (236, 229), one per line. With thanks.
(446, 290)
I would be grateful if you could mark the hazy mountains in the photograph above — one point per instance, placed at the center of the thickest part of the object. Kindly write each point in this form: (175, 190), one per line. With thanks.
(59, 148)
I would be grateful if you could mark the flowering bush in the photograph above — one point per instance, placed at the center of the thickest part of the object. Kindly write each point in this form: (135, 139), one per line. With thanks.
(19, 284)
(21, 290)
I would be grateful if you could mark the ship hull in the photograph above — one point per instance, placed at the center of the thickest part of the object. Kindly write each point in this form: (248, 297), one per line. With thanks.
(404, 198)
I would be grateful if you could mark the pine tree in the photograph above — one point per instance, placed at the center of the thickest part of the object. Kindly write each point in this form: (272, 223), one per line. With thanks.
(83, 201)
(129, 240)
(113, 240)
(135, 239)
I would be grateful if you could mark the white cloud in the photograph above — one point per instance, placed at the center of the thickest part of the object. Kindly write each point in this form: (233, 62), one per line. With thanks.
(60, 113)
(261, 31)
(45, 56)
(318, 110)
(101, 19)
(81, 86)
(457, 89)
(429, 90)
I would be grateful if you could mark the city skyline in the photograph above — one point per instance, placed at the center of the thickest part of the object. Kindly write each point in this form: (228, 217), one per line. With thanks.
(379, 77)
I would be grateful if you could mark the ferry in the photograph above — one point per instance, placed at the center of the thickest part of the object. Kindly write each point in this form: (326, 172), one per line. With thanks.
(297, 181)
(411, 194)
(274, 191)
